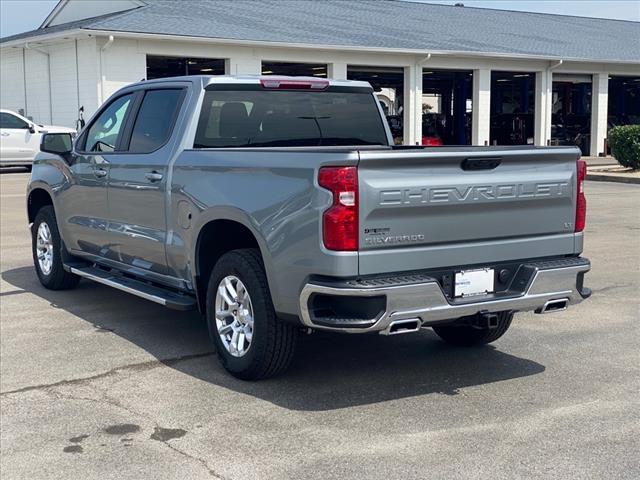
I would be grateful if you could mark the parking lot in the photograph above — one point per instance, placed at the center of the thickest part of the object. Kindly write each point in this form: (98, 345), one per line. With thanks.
(99, 384)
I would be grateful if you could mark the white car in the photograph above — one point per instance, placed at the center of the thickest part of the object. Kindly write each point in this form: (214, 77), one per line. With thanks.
(20, 138)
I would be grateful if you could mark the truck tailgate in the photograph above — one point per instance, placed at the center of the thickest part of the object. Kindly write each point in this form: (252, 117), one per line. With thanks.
(465, 206)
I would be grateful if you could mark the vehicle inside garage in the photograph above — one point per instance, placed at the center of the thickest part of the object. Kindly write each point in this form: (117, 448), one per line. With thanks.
(512, 108)
(295, 69)
(571, 111)
(446, 107)
(624, 101)
(388, 83)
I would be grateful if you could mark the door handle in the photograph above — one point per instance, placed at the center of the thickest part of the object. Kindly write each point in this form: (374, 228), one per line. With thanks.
(5, 134)
(481, 163)
(100, 172)
(153, 176)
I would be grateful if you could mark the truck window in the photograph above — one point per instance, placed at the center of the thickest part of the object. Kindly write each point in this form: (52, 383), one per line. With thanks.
(285, 118)
(155, 120)
(11, 121)
(104, 132)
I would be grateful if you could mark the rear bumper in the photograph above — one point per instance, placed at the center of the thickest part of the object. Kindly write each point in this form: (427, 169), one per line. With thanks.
(421, 299)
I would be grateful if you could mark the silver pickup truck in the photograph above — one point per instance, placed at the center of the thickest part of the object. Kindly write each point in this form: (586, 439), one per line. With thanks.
(278, 205)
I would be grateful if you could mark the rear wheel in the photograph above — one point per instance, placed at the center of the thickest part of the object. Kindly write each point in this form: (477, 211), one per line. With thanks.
(466, 335)
(46, 246)
(251, 342)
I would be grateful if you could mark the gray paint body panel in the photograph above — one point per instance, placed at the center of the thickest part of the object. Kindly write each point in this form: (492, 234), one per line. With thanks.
(274, 194)
(420, 209)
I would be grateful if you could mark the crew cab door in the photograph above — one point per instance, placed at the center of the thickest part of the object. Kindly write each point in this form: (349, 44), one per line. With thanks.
(83, 205)
(17, 143)
(138, 181)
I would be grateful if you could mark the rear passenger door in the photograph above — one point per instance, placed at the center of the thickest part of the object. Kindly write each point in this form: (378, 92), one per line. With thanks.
(138, 182)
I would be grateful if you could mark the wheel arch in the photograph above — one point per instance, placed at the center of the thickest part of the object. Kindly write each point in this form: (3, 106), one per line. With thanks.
(210, 246)
(37, 198)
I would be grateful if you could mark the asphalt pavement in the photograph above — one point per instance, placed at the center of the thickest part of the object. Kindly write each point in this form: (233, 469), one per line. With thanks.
(97, 384)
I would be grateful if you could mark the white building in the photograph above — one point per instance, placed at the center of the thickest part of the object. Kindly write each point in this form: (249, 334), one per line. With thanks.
(497, 76)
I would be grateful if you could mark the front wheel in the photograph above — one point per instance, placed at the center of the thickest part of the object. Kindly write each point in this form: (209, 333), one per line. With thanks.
(466, 335)
(46, 246)
(251, 342)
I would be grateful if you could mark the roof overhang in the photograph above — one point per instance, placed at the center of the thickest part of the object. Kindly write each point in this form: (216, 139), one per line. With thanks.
(79, 32)
(47, 37)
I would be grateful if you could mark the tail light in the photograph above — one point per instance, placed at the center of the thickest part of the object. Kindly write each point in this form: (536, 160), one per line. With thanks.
(340, 221)
(581, 201)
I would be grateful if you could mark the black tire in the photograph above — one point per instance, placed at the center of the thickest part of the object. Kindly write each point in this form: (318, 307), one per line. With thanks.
(471, 336)
(274, 341)
(57, 278)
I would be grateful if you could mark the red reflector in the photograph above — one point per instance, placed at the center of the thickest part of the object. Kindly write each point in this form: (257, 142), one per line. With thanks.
(340, 221)
(581, 200)
(432, 141)
(289, 84)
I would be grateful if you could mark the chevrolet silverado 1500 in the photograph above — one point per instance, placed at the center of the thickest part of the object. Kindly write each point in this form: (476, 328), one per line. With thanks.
(276, 205)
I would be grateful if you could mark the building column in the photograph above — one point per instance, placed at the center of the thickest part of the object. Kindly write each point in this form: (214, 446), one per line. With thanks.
(481, 116)
(412, 105)
(542, 108)
(599, 112)
(337, 70)
(243, 65)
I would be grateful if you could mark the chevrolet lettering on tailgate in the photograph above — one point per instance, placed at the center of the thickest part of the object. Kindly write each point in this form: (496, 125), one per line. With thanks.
(474, 193)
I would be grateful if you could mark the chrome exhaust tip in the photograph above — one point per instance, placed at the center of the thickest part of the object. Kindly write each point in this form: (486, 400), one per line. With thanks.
(408, 325)
(557, 305)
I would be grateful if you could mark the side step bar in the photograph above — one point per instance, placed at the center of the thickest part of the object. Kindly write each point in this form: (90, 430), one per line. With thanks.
(175, 301)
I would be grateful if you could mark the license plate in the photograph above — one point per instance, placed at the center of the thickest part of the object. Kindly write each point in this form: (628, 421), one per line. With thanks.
(474, 282)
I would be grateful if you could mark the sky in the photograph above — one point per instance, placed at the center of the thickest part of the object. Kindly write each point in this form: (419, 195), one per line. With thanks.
(18, 16)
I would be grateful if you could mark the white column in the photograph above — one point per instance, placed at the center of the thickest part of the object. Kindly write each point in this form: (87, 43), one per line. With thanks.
(599, 112)
(542, 108)
(417, 98)
(548, 103)
(412, 106)
(481, 117)
(243, 65)
(337, 71)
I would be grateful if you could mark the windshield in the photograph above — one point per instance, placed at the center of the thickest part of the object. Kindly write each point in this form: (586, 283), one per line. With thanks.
(284, 118)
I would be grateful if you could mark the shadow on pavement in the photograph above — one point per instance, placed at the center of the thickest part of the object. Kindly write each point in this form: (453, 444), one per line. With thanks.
(330, 371)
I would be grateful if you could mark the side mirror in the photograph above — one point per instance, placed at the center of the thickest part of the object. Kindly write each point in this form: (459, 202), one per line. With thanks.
(31, 128)
(57, 143)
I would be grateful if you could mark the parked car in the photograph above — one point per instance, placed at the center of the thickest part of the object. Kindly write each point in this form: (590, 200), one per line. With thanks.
(20, 138)
(279, 205)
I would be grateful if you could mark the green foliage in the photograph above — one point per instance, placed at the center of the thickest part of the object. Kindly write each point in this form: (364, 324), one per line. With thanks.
(625, 145)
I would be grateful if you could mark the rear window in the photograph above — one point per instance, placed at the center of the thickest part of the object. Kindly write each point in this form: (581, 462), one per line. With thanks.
(283, 118)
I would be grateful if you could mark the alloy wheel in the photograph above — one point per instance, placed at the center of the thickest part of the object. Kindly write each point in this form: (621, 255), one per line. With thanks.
(44, 246)
(234, 316)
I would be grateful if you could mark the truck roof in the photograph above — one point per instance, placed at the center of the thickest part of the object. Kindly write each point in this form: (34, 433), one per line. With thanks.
(205, 80)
